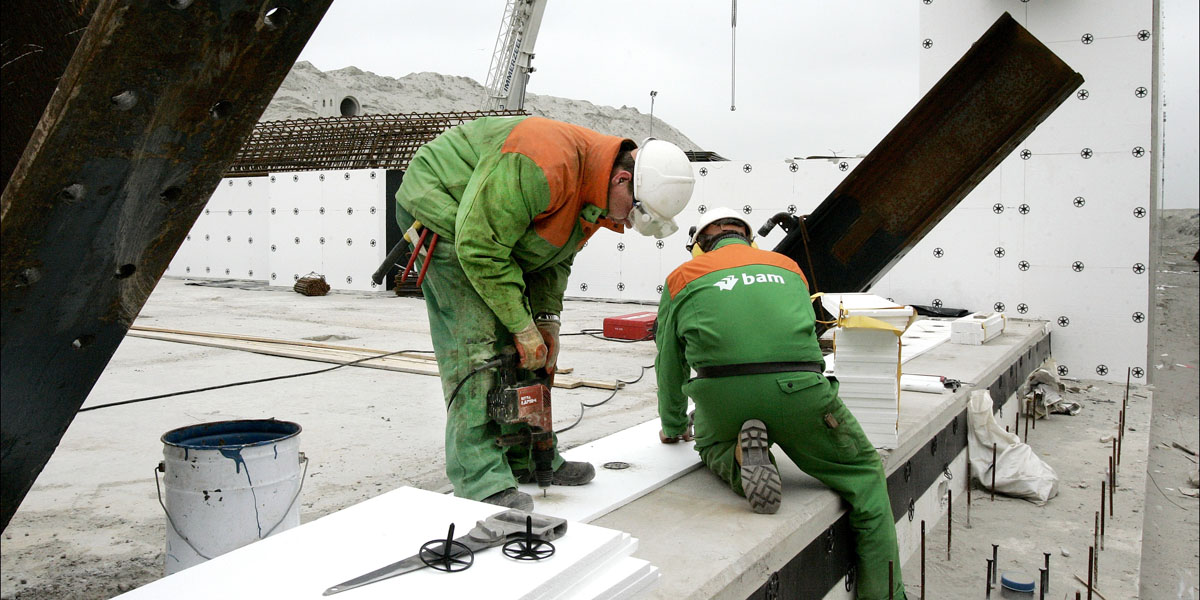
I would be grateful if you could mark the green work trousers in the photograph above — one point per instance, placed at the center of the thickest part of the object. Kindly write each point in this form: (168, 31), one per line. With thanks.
(466, 334)
(794, 407)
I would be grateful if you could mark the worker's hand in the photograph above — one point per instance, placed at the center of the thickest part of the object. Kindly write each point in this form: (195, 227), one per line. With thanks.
(549, 330)
(531, 347)
(686, 436)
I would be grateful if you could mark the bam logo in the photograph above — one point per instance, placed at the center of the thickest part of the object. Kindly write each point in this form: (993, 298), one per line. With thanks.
(761, 278)
(727, 283)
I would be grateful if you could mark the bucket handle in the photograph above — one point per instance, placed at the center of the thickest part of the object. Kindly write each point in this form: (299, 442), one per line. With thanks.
(162, 468)
(303, 459)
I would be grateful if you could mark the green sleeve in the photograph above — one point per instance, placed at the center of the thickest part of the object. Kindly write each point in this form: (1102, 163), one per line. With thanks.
(671, 368)
(498, 205)
(547, 286)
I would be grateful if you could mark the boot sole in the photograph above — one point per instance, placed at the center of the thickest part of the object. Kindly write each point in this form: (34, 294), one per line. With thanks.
(760, 478)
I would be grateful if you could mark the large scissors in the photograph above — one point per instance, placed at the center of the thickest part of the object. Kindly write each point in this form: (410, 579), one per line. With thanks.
(492, 531)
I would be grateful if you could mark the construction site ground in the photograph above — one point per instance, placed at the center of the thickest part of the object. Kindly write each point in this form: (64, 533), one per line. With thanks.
(92, 527)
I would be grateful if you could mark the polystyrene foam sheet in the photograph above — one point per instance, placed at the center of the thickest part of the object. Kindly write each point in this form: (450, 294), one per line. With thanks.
(620, 579)
(651, 465)
(303, 562)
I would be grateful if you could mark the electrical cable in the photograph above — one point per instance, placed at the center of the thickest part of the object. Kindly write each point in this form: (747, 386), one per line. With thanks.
(583, 406)
(599, 334)
(1160, 490)
(264, 380)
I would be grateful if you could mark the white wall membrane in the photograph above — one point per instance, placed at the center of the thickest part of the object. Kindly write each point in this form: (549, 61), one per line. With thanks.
(230, 238)
(1060, 231)
(284, 226)
(632, 267)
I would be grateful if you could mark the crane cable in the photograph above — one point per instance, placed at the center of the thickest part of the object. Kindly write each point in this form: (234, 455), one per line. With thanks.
(733, 59)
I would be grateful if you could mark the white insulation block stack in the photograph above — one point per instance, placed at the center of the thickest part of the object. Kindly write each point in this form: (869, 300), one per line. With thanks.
(868, 368)
(977, 328)
(867, 361)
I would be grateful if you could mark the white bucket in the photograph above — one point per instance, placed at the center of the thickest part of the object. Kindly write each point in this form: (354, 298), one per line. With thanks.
(228, 484)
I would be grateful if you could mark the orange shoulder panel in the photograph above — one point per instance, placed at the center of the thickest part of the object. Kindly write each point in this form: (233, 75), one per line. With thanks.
(575, 161)
(728, 257)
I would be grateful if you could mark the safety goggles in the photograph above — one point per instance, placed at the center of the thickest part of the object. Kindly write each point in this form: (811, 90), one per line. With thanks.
(648, 223)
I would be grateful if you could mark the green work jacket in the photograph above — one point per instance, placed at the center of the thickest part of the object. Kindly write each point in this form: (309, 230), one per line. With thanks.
(518, 197)
(732, 305)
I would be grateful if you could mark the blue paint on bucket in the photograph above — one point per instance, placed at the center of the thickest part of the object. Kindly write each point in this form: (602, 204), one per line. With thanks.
(230, 438)
(226, 434)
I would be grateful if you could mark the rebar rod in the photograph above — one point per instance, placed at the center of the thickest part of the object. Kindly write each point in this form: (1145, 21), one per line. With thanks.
(331, 143)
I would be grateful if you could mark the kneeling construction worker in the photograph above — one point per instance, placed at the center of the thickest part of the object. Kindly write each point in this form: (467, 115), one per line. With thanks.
(507, 202)
(741, 317)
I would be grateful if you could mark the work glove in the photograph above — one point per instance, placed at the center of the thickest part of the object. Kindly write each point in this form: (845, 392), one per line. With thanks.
(531, 347)
(549, 328)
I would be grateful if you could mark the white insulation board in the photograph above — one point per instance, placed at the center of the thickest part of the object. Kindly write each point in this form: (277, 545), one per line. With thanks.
(303, 562)
(1061, 230)
(281, 227)
(651, 465)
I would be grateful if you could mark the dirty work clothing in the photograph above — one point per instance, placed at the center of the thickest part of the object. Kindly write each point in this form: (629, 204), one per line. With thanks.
(512, 199)
(737, 304)
(466, 334)
(517, 197)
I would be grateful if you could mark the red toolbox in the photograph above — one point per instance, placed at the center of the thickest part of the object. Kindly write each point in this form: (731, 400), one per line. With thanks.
(636, 326)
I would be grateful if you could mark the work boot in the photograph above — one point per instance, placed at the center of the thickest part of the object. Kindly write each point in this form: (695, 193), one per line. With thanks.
(760, 478)
(570, 473)
(511, 498)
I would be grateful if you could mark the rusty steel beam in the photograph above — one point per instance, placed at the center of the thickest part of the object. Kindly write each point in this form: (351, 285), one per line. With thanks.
(37, 39)
(981, 109)
(155, 102)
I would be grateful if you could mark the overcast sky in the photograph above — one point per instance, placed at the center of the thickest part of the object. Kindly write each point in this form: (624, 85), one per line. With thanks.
(812, 77)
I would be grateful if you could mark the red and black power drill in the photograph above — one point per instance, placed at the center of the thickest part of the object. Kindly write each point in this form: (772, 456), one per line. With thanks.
(527, 401)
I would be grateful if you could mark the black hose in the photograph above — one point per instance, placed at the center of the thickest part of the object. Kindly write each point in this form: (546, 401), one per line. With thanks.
(785, 220)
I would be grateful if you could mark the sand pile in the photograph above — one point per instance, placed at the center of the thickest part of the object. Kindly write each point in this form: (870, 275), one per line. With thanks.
(434, 92)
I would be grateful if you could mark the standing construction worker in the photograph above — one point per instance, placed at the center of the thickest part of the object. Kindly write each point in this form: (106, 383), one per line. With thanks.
(509, 201)
(741, 317)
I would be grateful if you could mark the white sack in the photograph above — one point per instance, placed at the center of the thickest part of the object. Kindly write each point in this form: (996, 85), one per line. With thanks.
(1019, 472)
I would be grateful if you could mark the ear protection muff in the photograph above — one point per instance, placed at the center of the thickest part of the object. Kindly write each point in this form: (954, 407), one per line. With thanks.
(691, 246)
(696, 250)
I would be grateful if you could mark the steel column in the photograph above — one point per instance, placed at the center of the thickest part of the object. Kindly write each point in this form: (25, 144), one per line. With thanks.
(151, 109)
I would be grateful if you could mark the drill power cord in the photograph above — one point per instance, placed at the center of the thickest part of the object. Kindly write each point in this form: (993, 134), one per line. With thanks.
(264, 380)
(599, 334)
(491, 364)
(583, 406)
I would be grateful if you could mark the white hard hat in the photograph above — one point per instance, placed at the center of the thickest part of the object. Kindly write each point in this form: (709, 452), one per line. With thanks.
(716, 214)
(662, 186)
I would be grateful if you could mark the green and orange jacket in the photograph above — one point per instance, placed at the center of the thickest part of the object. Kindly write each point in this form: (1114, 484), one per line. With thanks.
(518, 197)
(732, 305)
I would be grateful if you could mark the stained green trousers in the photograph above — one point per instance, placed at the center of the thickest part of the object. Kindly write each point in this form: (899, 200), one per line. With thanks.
(466, 334)
(794, 407)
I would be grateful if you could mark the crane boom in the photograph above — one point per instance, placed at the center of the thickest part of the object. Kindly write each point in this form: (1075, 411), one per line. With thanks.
(510, 69)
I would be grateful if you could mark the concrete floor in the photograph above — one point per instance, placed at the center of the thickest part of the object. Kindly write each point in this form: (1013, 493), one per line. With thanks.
(1171, 546)
(1077, 448)
(91, 526)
